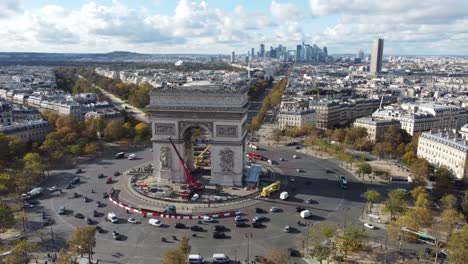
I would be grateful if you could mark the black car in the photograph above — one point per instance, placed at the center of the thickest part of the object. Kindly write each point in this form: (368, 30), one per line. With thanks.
(259, 210)
(219, 228)
(219, 235)
(75, 195)
(294, 252)
(86, 199)
(69, 186)
(75, 180)
(78, 215)
(298, 147)
(95, 213)
(78, 171)
(101, 175)
(89, 221)
(196, 228)
(47, 221)
(299, 209)
(257, 225)
(179, 225)
(116, 235)
(99, 204)
(329, 171)
(241, 224)
(116, 173)
(99, 229)
(105, 195)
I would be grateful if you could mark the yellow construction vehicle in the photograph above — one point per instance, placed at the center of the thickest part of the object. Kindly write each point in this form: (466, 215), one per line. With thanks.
(199, 158)
(266, 191)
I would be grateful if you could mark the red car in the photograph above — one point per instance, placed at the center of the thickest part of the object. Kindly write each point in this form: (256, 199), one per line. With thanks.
(109, 180)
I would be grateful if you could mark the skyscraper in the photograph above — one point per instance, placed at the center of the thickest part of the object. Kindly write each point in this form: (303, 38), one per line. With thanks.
(252, 53)
(298, 53)
(262, 50)
(233, 57)
(376, 56)
(360, 54)
(325, 51)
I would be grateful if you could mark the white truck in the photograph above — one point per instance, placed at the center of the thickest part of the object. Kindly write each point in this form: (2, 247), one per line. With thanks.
(112, 217)
(33, 193)
(305, 214)
(284, 195)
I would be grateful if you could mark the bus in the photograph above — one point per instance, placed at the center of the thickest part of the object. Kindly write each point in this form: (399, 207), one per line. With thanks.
(425, 238)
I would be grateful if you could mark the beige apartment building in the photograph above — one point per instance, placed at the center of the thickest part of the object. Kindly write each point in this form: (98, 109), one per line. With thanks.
(375, 127)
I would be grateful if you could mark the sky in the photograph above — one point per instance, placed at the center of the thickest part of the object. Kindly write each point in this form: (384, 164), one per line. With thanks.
(409, 27)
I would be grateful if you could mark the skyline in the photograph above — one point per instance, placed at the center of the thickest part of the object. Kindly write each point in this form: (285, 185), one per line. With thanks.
(213, 27)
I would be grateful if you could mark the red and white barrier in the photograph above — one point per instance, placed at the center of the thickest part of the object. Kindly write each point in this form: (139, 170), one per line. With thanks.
(183, 217)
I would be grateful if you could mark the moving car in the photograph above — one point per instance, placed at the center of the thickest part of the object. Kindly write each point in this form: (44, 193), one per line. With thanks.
(238, 218)
(101, 175)
(120, 155)
(154, 222)
(241, 224)
(259, 211)
(294, 252)
(99, 229)
(27, 205)
(99, 204)
(287, 229)
(208, 219)
(259, 218)
(370, 226)
(295, 157)
(274, 209)
(89, 221)
(131, 156)
(132, 220)
(305, 214)
(298, 170)
(78, 171)
(116, 173)
(61, 210)
(112, 217)
(75, 180)
(195, 197)
(299, 209)
(53, 189)
(257, 225)
(196, 228)
(343, 182)
(86, 199)
(219, 235)
(179, 225)
(105, 195)
(78, 215)
(116, 235)
(109, 180)
(284, 195)
(220, 228)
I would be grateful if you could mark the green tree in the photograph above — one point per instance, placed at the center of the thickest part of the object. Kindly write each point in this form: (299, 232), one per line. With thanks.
(409, 158)
(83, 240)
(364, 168)
(7, 218)
(450, 218)
(395, 203)
(21, 251)
(75, 150)
(320, 252)
(184, 246)
(443, 181)
(448, 201)
(7, 183)
(457, 249)
(174, 256)
(113, 131)
(421, 169)
(351, 240)
(372, 196)
(33, 164)
(418, 190)
(354, 134)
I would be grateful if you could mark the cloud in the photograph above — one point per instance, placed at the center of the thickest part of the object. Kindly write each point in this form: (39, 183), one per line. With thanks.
(9, 7)
(286, 11)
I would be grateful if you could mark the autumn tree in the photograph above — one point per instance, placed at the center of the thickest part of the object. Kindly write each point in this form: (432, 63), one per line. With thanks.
(21, 251)
(174, 256)
(90, 148)
(66, 257)
(409, 158)
(83, 240)
(364, 168)
(320, 252)
(372, 196)
(113, 131)
(351, 240)
(443, 181)
(142, 132)
(420, 169)
(7, 218)
(184, 246)
(277, 256)
(395, 203)
(457, 249)
(448, 201)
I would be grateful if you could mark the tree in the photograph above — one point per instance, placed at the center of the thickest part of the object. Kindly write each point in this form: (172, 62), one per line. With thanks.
(7, 218)
(66, 121)
(372, 196)
(184, 246)
(83, 240)
(395, 204)
(66, 257)
(33, 166)
(448, 201)
(277, 256)
(174, 256)
(450, 217)
(423, 201)
(421, 169)
(7, 183)
(113, 131)
(276, 135)
(408, 158)
(418, 190)
(320, 252)
(339, 135)
(142, 132)
(457, 249)
(75, 149)
(364, 168)
(20, 253)
(443, 181)
(421, 215)
(90, 148)
(351, 240)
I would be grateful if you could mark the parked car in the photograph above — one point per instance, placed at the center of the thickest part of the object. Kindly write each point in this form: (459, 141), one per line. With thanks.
(95, 213)
(294, 252)
(116, 235)
(78, 171)
(47, 222)
(259, 211)
(196, 228)
(299, 209)
(112, 217)
(75, 180)
(208, 219)
(241, 224)
(101, 175)
(219, 228)
(61, 210)
(287, 229)
(132, 220)
(116, 173)
(105, 195)
(238, 218)
(195, 197)
(79, 215)
(89, 221)
(99, 229)
(99, 204)
(53, 189)
(179, 225)
(257, 225)
(219, 235)
(274, 209)
(154, 222)
(68, 186)
(259, 218)
(368, 225)
(86, 199)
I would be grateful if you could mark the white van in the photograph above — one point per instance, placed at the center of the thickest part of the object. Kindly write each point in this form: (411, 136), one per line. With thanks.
(155, 222)
(195, 259)
(112, 217)
(284, 195)
(305, 214)
(220, 258)
(131, 156)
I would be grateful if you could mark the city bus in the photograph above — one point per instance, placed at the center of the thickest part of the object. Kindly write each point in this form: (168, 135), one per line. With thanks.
(425, 238)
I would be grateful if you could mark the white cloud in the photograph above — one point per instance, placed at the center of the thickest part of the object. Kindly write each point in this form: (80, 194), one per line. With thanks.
(286, 11)
(9, 7)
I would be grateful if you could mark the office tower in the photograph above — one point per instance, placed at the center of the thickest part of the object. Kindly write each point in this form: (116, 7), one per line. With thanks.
(252, 53)
(262, 50)
(233, 57)
(325, 51)
(298, 53)
(376, 57)
(360, 55)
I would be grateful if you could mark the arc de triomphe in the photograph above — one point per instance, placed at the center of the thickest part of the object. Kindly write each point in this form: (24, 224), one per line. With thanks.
(219, 110)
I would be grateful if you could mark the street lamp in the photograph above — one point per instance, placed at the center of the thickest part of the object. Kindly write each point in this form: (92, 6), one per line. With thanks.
(248, 236)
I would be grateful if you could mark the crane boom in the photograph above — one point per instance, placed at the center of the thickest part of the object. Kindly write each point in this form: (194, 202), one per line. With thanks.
(192, 184)
(199, 158)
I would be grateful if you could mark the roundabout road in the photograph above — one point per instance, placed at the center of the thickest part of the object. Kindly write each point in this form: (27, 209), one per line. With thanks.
(142, 243)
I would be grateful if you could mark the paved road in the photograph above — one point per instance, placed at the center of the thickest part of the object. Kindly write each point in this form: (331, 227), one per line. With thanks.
(135, 112)
(142, 242)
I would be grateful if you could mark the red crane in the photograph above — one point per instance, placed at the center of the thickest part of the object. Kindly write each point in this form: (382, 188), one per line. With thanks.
(193, 185)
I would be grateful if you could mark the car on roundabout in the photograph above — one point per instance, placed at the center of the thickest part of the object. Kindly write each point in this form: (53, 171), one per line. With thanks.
(53, 188)
(99, 204)
(79, 215)
(155, 222)
(208, 219)
(299, 170)
(219, 235)
(99, 229)
(287, 229)
(116, 173)
(238, 218)
(257, 225)
(179, 225)
(78, 171)
(116, 235)
(195, 197)
(132, 220)
(101, 175)
(86, 199)
(105, 195)
(274, 209)
(369, 225)
(259, 218)
(89, 221)
(196, 228)
(241, 224)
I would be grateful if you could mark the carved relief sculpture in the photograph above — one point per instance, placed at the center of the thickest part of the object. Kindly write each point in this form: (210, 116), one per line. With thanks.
(164, 129)
(164, 158)
(227, 160)
(226, 131)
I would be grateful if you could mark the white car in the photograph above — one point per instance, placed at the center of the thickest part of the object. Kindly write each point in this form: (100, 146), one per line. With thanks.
(282, 159)
(132, 220)
(298, 170)
(370, 226)
(131, 156)
(208, 219)
(154, 222)
(287, 229)
(238, 218)
(195, 197)
(274, 209)
(52, 189)
(295, 157)
(112, 217)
